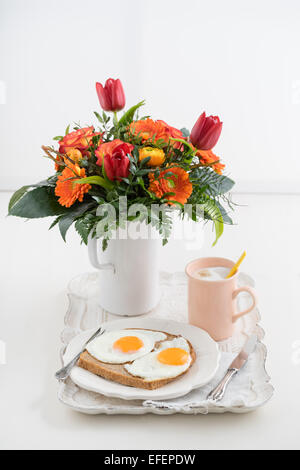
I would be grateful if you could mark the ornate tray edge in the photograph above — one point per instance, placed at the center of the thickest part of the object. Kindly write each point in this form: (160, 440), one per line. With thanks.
(65, 399)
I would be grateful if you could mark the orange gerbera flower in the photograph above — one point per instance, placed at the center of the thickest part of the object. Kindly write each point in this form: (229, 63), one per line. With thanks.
(177, 183)
(148, 129)
(207, 157)
(66, 189)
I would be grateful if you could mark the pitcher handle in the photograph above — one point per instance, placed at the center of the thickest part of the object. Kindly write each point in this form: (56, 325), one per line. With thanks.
(93, 256)
(254, 301)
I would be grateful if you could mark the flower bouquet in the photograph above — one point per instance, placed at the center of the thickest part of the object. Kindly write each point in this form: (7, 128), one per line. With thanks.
(141, 162)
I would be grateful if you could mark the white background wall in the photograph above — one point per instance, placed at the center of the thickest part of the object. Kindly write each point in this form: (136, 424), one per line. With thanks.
(237, 59)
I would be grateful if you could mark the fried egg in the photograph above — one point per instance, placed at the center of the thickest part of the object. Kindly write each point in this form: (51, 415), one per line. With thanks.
(170, 359)
(120, 346)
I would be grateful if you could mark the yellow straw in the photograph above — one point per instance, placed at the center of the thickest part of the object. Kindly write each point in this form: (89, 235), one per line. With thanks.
(236, 266)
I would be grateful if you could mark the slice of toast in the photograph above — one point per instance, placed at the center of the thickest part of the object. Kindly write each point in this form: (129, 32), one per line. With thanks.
(117, 372)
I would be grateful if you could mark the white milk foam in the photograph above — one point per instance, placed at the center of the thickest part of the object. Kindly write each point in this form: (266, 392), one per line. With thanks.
(211, 274)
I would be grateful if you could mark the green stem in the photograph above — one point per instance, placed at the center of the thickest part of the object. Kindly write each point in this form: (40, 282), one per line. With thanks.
(184, 142)
(116, 125)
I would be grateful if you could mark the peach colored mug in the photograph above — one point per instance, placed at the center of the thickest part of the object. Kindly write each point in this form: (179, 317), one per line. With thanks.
(212, 304)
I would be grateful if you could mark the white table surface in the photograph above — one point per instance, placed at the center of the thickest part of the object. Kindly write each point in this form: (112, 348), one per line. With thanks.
(36, 266)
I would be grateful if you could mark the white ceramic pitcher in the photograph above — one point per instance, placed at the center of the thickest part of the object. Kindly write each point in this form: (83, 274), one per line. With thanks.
(129, 274)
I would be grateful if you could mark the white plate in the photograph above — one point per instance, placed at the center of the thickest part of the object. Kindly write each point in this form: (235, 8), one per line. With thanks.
(202, 371)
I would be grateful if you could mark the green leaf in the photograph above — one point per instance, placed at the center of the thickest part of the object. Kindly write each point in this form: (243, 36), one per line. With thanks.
(169, 175)
(141, 182)
(223, 185)
(170, 193)
(64, 224)
(226, 218)
(128, 116)
(48, 182)
(219, 227)
(16, 196)
(98, 117)
(98, 180)
(97, 198)
(176, 203)
(39, 202)
(67, 130)
(84, 225)
(58, 137)
(185, 132)
(162, 222)
(212, 183)
(213, 212)
(143, 172)
(184, 142)
(66, 221)
(55, 222)
(144, 161)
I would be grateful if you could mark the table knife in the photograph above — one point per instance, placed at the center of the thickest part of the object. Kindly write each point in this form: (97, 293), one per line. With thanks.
(218, 393)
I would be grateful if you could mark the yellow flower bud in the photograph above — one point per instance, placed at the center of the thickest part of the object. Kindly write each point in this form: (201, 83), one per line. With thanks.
(157, 156)
(74, 154)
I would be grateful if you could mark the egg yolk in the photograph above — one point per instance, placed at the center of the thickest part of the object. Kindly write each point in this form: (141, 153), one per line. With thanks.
(173, 356)
(128, 344)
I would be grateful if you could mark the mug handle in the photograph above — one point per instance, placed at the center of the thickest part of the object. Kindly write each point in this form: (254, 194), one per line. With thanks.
(93, 256)
(254, 299)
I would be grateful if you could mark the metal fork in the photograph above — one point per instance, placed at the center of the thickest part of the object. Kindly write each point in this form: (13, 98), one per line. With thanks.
(64, 372)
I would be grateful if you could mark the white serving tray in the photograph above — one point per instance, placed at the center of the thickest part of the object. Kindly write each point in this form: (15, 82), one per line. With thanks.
(84, 313)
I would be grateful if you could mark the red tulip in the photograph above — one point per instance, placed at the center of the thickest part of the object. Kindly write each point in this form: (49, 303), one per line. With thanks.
(206, 132)
(111, 96)
(117, 164)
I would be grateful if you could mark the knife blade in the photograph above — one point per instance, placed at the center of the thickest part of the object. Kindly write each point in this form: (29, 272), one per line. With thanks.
(238, 363)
